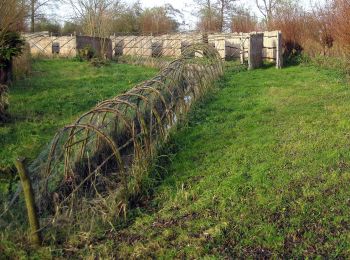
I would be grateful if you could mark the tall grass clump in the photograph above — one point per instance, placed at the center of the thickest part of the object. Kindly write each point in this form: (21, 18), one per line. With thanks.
(3, 103)
(21, 65)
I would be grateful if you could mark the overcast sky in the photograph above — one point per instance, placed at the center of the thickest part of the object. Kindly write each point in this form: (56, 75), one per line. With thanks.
(185, 6)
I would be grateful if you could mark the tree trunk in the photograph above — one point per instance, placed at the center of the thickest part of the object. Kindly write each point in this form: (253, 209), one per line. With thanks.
(32, 16)
(35, 234)
(5, 72)
(222, 16)
(5, 77)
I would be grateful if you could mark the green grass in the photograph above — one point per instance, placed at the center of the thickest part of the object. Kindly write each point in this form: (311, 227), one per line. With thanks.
(262, 169)
(55, 95)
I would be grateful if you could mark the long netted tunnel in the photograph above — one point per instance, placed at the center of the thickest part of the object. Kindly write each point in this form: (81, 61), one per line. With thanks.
(109, 148)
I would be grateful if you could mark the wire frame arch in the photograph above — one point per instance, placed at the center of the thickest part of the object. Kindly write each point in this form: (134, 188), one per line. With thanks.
(108, 148)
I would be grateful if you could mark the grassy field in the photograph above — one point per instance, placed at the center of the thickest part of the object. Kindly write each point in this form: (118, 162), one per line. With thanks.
(56, 93)
(262, 169)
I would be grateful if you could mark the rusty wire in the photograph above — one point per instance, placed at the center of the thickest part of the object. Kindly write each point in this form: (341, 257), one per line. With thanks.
(110, 147)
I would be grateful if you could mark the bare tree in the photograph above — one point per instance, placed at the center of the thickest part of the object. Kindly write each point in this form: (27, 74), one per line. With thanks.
(267, 8)
(226, 9)
(319, 26)
(207, 15)
(128, 18)
(341, 23)
(36, 10)
(289, 17)
(96, 16)
(215, 14)
(12, 14)
(243, 21)
(159, 20)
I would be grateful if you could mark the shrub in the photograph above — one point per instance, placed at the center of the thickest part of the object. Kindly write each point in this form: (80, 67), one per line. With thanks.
(340, 64)
(341, 23)
(3, 103)
(11, 45)
(98, 62)
(86, 53)
(21, 65)
(288, 18)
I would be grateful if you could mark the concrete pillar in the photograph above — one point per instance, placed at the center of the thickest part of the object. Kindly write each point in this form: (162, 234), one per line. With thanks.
(129, 45)
(143, 46)
(241, 50)
(255, 50)
(172, 46)
(279, 50)
(220, 46)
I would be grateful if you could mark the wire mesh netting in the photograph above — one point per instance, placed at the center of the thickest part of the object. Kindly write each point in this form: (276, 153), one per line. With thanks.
(97, 163)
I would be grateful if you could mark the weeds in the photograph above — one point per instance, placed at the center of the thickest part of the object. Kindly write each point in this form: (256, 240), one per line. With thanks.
(97, 163)
(4, 116)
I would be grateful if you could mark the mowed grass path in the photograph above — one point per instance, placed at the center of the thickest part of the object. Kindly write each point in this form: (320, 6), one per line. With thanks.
(56, 93)
(262, 169)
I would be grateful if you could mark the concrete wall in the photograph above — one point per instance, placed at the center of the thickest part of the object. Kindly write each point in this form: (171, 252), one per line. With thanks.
(218, 41)
(272, 49)
(117, 45)
(256, 43)
(41, 45)
(132, 45)
(171, 45)
(236, 45)
(229, 45)
(101, 46)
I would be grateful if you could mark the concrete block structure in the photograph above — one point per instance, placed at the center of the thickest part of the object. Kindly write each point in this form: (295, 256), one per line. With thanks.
(45, 45)
(252, 48)
(256, 43)
(102, 46)
(272, 49)
(171, 45)
(42, 44)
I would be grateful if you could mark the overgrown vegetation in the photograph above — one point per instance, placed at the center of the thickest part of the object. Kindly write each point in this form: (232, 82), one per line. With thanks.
(11, 45)
(22, 64)
(54, 95)
(95, 164)
(3, 103)
(260, 170)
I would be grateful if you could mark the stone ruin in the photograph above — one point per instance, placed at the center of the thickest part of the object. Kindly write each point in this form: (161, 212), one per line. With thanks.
(253, 48)
(45, 45)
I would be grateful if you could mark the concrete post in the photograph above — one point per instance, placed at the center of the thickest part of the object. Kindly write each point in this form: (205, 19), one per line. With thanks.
(241, 54)
(279, 50)
(35, 235)
(220, 46)
(255, 50)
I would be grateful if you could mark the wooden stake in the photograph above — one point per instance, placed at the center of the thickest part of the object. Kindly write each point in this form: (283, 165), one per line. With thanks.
(35, 235)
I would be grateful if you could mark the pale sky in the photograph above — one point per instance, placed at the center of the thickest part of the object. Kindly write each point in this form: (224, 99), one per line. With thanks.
(185, 6)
